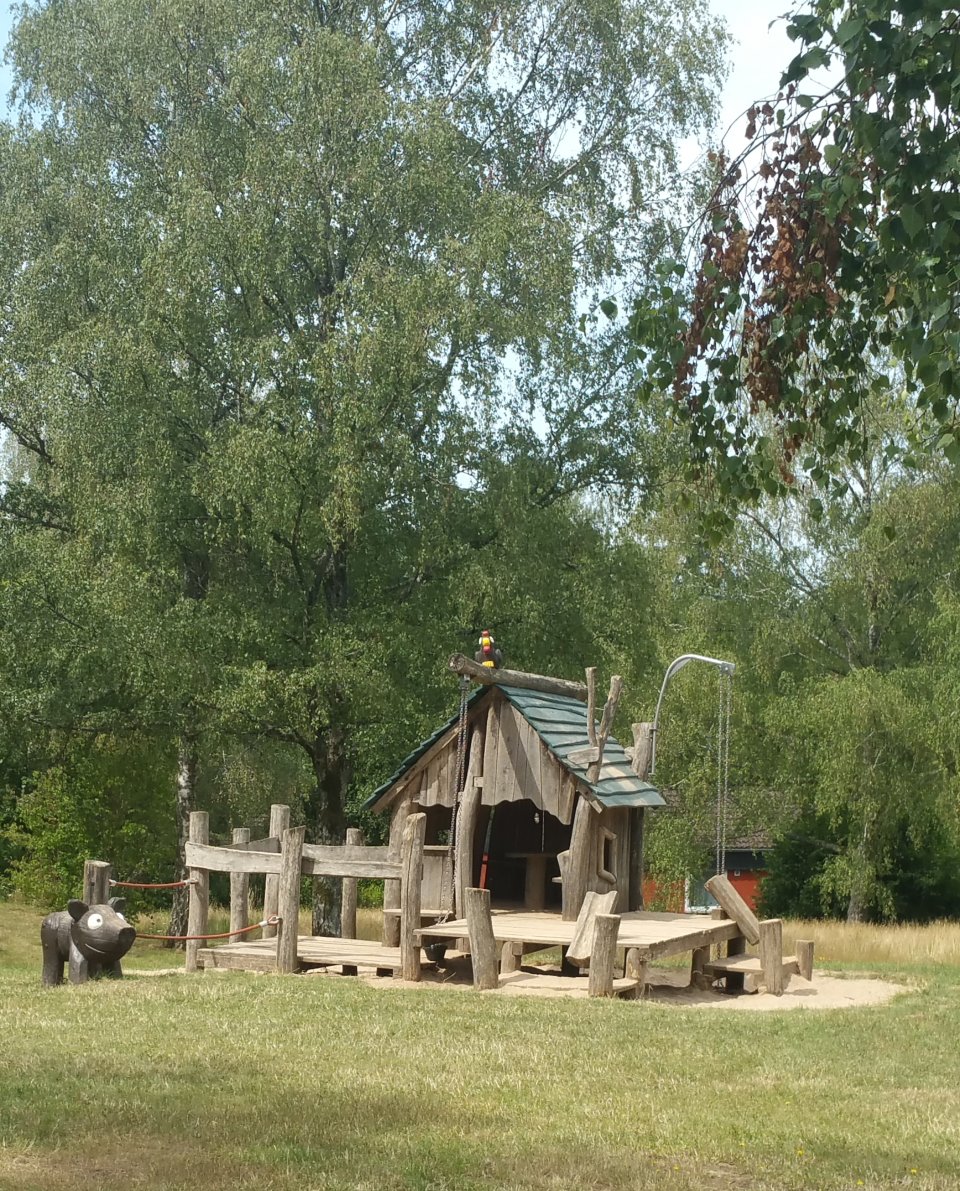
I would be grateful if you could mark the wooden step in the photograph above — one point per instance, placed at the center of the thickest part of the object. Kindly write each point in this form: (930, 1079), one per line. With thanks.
(743, 964)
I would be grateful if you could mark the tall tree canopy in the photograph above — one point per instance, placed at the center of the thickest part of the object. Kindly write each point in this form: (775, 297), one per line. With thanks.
(292, 335)
(829, 243)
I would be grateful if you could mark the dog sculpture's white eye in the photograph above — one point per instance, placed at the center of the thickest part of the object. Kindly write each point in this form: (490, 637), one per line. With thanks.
(120, 916)
(95, 921)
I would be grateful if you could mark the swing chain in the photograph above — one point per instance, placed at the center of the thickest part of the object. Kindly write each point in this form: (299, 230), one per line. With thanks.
(725, 691)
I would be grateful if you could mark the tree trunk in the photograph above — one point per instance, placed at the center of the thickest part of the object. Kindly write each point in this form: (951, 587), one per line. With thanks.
(331, 768)
(186, 785)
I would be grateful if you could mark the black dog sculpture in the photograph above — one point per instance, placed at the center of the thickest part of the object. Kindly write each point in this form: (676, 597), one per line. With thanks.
(91, 939)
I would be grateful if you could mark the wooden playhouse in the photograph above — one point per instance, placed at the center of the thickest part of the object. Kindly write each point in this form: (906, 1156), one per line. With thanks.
(522, 799)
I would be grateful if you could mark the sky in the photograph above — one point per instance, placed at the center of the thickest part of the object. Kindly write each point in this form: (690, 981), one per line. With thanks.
(757, 58)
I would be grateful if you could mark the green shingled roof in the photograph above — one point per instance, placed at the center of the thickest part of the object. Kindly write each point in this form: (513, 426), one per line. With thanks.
(561, 723)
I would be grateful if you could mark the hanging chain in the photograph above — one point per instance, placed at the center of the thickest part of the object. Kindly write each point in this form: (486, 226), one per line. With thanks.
(726, 763)
(725, 701)
(719, 849)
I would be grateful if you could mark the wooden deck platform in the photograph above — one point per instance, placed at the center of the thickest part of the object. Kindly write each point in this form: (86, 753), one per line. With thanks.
(654, 935)
(312, 952)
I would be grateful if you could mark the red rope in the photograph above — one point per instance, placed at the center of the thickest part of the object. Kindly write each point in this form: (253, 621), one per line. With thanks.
(228, 934)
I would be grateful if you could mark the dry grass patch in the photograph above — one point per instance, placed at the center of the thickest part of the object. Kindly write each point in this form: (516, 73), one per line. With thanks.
(861, 943)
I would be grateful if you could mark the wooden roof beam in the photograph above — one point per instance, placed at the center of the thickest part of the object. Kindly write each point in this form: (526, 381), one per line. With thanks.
(489, 676)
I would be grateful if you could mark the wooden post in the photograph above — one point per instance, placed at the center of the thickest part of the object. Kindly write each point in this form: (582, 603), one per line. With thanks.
(240, 887)
(606, 723)
(510, 957)
(414, 832)
(279, 822)
(576, 869)
(391, 888)
(604, 955)
(348, 901)
(771, 954)
(467, 819)
(636, 824)
(701, 956)
(734, 980)
(592, 705)
(199, 900)
(288, 897)
(804, 950)
(635, 968)
(642, 752)
(96, 882)
(735, 907)
(483, 947)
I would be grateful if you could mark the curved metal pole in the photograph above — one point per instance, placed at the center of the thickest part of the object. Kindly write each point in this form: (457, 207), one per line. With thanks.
(675, 665)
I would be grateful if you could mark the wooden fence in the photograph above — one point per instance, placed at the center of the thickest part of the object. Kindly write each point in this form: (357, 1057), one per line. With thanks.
(283, 859)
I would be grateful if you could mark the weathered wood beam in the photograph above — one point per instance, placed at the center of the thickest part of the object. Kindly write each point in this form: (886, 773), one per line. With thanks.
(460, 664)
(240, 886)
(198, 903)
(466, 823)
(594, 904)
(735, 907)
(96, 882)
(288, 898)
(414, 832)
(483, 948)
(804, 950)
(603, 955)
(606, 723)
(279, 822)
(399, 814)
(771, 954)
(348, 895)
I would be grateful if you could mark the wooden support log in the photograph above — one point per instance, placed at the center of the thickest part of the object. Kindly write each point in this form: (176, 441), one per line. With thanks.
(735, 980)
(635, 968)
(771, 954)
(592, 705)
(279, 822)
(96, 882)
(642, 752)
(576, 867)
(198, 903)
(414, 832)
(483, 947)
(698, 978)
(735, 907)
(288, 897)
(604, 955)
(391, 888)
(466, 826)
(594, 904)
(531, 682)
(510, 954)
(348, 896)
(606, 723)
(804, 952)
(240, 886)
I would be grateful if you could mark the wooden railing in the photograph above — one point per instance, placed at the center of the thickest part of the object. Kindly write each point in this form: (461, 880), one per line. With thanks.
(284, 859)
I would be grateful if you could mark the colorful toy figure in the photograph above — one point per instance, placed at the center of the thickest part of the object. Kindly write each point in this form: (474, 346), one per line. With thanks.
(489, 652)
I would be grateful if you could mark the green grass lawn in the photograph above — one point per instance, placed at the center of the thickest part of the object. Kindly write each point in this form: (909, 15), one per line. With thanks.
(204, 1082)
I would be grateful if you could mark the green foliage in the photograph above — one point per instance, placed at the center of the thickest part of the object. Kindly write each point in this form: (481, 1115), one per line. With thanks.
(103, 801)
(851, 257)
(295, 381)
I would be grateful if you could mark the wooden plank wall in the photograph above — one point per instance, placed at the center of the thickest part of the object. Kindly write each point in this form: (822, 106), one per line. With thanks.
(517, 765)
